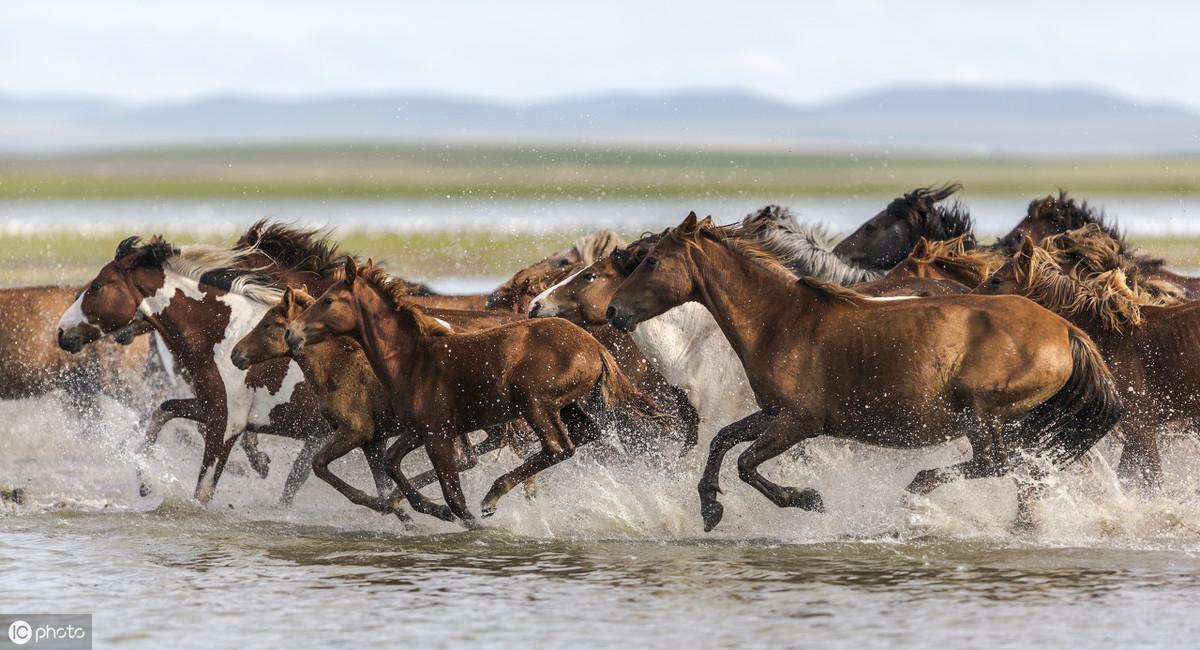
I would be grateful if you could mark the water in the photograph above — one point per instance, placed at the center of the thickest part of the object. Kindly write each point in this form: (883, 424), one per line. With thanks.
(608, 555)
(1161, 214)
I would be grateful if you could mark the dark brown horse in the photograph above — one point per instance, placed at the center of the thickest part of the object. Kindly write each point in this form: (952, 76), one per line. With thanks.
(1154, 350)
(444, 384)
(352, 400)
(885, 239)
(201, 299)
(1053, 215)
(823, 360)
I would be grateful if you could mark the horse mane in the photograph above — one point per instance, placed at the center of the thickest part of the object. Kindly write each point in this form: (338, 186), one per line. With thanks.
(205, 263)
(940, 221)
(961, 254)
(1105, 296)
(805, 249)
(596, 245)
(395, 292)
(1091, 250)
(731, 236)
(299, 249)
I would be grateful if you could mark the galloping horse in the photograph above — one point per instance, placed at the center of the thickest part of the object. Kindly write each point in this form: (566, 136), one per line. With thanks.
(515, 292)
(886, 239)
(825, 360)
(1053, 215)
(352, 399)
(201, 299)
(443, 384)
(1154, 350)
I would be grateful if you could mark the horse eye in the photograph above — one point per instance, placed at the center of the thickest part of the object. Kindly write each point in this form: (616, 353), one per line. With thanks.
(328, 301)
(589, 276)
(95, 287)
(651, 262)
(564, 262)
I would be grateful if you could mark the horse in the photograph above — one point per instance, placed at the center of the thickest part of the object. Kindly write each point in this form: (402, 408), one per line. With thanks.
(515, 292)
(953, 259)
(31, 363)
(352, 400)
(886, 239)
(443, 384)
(1152, 348)
(201, 299)
(1053, 215)
(825, 360)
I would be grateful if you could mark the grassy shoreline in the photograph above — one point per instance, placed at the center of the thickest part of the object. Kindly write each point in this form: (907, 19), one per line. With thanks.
(464, 171)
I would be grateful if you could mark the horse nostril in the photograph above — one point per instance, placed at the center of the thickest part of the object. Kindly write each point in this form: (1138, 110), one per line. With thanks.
(534, 309)
(610, 313)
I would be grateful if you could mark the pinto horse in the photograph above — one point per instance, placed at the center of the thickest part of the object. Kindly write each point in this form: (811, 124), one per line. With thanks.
(1154, 350)
(824, 360)
(885, 239)
(443, 384)
(201, 299)
(353, 400)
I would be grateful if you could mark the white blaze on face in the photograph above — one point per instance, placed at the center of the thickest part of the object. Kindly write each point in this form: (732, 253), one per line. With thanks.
(892, 298)
(74, 317)
(542, 300)
(444, 324)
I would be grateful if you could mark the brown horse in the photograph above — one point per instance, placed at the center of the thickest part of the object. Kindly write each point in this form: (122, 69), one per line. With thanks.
(201, 299)
(31, 363)
(443, 384)
(825, 360)
(885, 239)
(1154, 350)
(514, 294)
(1053, 215)
(352, 400)
(952, 259)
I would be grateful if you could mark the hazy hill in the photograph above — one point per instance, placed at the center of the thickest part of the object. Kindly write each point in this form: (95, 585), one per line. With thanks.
(902, 119)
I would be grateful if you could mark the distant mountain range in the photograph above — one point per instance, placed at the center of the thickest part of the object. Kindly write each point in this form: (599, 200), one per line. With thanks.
(929, 119)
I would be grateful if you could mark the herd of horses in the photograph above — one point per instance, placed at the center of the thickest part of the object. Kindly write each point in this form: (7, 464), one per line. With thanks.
(907, 333)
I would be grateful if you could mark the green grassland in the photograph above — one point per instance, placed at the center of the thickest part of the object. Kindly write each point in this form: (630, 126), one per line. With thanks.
(360, 170)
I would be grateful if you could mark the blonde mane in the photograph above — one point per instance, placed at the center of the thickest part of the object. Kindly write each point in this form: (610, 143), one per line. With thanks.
(596, 245)
(958, 254)
(1104, 296)
(1089, 251)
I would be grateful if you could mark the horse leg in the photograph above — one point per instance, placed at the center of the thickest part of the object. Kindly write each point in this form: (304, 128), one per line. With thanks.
(340, 444)
(374, 451)
(987, 459)
(406, 443)
(688, 419)
(730, 436)
(444, 456)
(260, 462)
(1140, 461)
(302, 466)
(781, 435)
(190, 408)
(470, 457)
(216, 453)
(553, 434)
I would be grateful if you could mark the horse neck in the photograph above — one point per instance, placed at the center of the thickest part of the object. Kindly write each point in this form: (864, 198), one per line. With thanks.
(386, 336)
(744, 297)
(185, 332)
(824, 264)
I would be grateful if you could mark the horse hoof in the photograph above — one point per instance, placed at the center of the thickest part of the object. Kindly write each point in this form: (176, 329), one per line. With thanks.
(487, 511)
(470, 524)
(711, 512)
(261, 464)
(144, 490)
(807, 499)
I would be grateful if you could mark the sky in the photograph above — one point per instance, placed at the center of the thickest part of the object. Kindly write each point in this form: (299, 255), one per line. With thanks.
(525, 51)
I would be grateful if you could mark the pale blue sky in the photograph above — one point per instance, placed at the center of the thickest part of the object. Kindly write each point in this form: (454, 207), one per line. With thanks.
(523, 51)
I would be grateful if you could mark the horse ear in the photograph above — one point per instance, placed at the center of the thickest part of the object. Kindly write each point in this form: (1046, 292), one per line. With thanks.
(689, 223)
(351, 269)
(287, 300)
(127, 246)
(1027, 246)
(707, 222)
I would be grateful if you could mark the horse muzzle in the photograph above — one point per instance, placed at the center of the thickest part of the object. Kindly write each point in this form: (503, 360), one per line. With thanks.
(74, 339)
(622, 321)
(294, 340)
(239, 360)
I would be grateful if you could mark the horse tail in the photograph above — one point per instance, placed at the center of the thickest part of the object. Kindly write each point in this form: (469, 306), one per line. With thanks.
(617, 390)
(1082, 412)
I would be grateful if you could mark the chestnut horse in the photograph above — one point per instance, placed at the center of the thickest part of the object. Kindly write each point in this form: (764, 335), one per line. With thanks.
(954, 259)
(825, 360)
(443, 384)
(352, 399)
(1052, 215)
(885, 239)
(514, 293)
(1154, 350)
(201, 299)
(32, 364)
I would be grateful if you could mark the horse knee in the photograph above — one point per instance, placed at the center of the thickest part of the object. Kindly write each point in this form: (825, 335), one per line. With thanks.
(746, 470)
